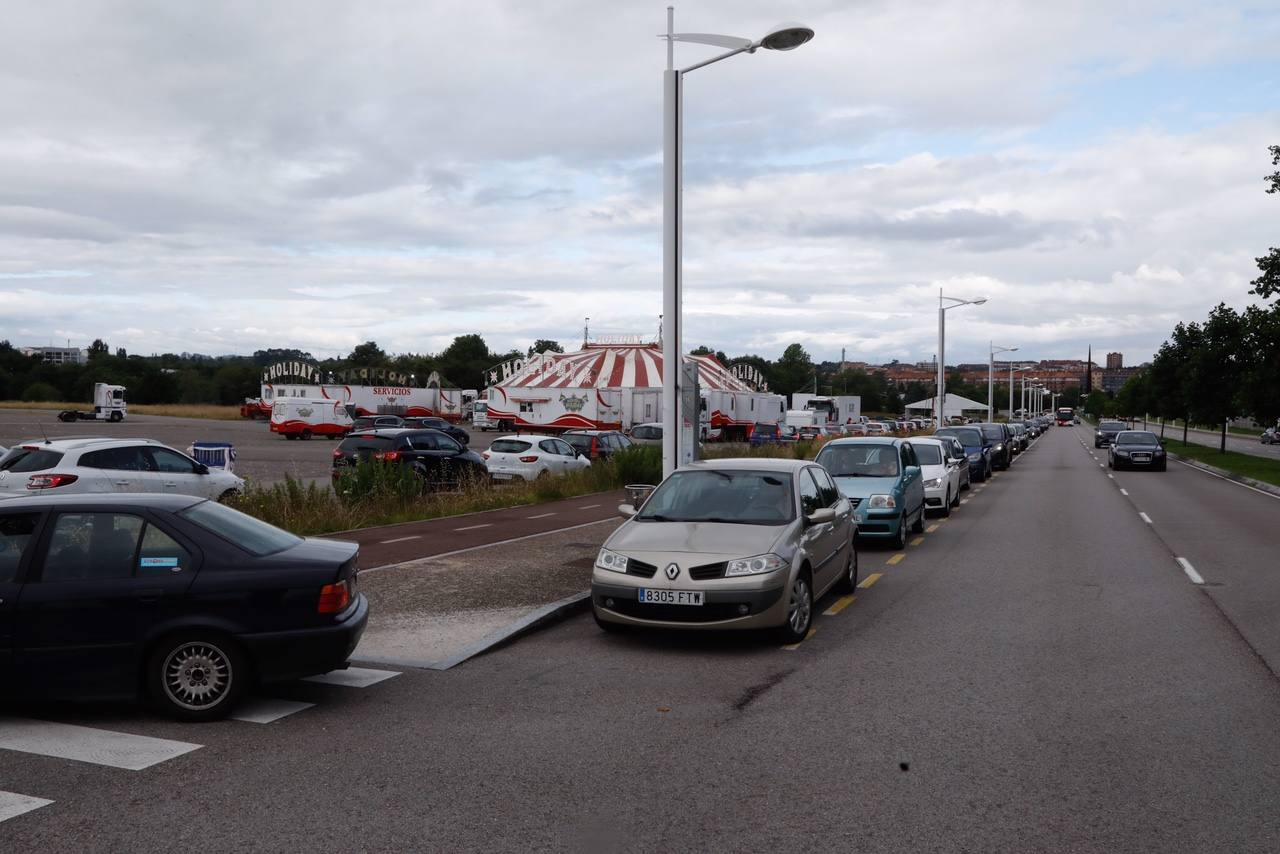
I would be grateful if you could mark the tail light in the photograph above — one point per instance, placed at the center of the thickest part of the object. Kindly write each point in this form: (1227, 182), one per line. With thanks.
(388, 456)
(528, 459)
(50, 481)
(485, 455)
(333, 598)
(337, 455)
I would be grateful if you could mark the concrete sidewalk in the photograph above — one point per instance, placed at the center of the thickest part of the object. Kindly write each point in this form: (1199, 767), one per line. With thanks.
(436, 612)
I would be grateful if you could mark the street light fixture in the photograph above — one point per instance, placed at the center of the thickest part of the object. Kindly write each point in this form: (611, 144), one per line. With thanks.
(940, 395)
(783, 37)
(991, 380)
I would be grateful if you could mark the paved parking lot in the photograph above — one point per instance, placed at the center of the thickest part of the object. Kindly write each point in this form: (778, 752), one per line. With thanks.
(261, 455)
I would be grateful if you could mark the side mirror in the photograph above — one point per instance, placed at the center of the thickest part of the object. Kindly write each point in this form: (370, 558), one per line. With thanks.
(820, 516)
(201, 468)
(913, 471)
(626, 511)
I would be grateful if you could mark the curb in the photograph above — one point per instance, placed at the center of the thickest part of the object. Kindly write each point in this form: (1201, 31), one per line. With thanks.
(1259, 485)
(545, 616)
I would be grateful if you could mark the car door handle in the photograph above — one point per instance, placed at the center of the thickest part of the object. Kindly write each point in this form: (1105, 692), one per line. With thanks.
(122, 483)
(150, 595)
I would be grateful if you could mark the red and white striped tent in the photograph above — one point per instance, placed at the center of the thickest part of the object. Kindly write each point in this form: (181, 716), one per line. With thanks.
(617, 385)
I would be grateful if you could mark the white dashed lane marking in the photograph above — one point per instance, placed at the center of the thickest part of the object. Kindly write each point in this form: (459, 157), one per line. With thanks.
(541, 516)
(1124, 491)
(1190, 570)
(85, 744)
(265, 710)
(12, 804)
(588, 506)
(1145, 518)
(401, 539)
(475, 527)
(353, 677)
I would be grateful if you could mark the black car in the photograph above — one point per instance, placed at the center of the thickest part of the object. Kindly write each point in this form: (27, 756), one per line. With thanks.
(182, 599)
(1107, 432)
(1137, 449)
(999, 439)
(433, 456)
(433, 422)
(377, 422)
(597, 444)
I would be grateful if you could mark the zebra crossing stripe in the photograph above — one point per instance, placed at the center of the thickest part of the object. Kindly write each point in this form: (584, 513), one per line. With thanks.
(12, 804)
(265, 710)
(85, 744)
(353, 677)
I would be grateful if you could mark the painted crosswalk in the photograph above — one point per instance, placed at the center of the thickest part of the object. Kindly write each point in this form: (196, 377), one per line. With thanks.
(13, 805)
(353, 677)
(267, 710)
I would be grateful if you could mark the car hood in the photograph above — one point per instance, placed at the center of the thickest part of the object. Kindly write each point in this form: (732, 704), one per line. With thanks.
(1140, 447)
(721, 539)
(861, 487)
(930, 472)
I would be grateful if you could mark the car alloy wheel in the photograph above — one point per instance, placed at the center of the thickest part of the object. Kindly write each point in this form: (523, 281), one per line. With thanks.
(900, 540)
(799, 609)
(849, 579)
(196, 677)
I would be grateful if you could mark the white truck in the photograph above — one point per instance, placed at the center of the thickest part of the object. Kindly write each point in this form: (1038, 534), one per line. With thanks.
(295, 418)
(108, 405)
(828, 410)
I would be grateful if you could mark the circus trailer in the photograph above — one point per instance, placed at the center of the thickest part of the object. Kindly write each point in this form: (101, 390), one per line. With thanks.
(616, 385)
(363, 391)
(298, 418)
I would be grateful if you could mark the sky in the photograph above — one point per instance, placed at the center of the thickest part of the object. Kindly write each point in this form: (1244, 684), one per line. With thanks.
(227, 177)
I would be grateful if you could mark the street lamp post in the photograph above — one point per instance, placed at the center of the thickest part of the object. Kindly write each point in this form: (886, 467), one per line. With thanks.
(940, 395)
(782, 37)
(991, 379)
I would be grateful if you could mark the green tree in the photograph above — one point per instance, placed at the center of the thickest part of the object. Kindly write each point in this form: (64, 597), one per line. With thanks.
(1216, 371)
(545, 345)
(465, 360)
(1133, 399)
(1268, 284)
(368, 355)
(1259, 387)
(793, 372)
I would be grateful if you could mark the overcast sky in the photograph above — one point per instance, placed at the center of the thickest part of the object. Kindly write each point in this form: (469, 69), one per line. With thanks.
(228, 176)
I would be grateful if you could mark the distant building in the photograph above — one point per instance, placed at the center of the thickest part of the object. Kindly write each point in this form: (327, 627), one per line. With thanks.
(1113, 379)
(1115, 361)
(58, 355)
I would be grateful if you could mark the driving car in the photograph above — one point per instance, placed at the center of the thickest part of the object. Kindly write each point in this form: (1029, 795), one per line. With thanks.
(178, 598)
(977, 449)
(881, 477)
(432, 455)
(531, 457)
(728, 544)
(99, 465)
(597, 444)
(1270, 436)
(434, 422)
(1136, 449)
(940, 471)
(1106, 432)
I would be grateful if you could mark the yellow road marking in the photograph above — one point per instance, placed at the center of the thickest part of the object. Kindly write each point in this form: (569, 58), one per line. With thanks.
(917, 541)
(840, 604)
(813, 630)
(932, 528)
(896, 559)
(871, 579)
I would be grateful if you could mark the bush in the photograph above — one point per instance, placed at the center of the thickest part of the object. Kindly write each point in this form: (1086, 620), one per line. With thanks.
(40, 392)
(637, 464)
(374, 479)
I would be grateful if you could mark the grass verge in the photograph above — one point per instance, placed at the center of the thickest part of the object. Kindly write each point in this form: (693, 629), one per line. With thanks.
(173, 410)
(1264, 469)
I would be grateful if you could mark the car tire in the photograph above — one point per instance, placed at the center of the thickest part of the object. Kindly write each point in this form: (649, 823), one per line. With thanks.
(799, 609)
(849, 579)
(306, 436)
(918, 526)
(196, 676)
(900, 540)
(115, 417)
(947, 504)
(1164, 466)
(228, 495)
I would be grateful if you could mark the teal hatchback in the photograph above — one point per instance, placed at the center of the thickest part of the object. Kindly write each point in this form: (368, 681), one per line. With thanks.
(881, 478)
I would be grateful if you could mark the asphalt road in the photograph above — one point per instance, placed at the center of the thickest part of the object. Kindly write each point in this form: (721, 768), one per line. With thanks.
(1038, 673)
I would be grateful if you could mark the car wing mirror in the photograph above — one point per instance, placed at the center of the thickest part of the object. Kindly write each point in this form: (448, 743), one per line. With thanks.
(626, 511)
(820, 516)
(201, 468)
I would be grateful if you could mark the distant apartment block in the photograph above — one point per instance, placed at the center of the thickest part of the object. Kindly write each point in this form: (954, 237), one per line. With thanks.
(58, 355)
(1115, 361)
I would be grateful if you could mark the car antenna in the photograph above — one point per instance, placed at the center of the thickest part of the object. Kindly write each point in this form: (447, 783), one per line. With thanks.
(43, 433)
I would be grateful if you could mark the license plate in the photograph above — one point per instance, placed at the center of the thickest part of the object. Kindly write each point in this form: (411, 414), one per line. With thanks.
(1142, 458)
(670, 597)
(501, 476)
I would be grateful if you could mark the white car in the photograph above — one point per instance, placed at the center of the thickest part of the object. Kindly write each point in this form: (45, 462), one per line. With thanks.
(941, 473)
(531, 457)
(78, 466)
(876, 428)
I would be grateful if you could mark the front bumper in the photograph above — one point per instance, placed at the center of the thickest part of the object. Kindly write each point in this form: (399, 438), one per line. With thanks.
(878, 524)
(723, 608)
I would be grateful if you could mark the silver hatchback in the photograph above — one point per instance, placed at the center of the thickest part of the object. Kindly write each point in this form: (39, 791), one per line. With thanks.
(729, 544)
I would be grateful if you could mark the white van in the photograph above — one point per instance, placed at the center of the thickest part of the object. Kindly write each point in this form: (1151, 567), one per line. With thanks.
(295, 418)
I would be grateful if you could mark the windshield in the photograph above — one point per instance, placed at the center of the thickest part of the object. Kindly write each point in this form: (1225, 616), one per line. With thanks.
(252, 535)
(860, 460)
(713, 495)
(968, 436)
(1112, 425)
(993, 431)
(480, 407)
(1138, 438)
(928, 454)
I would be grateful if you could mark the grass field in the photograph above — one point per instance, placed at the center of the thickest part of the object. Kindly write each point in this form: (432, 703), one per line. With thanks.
(1259, 468)
(173, 410)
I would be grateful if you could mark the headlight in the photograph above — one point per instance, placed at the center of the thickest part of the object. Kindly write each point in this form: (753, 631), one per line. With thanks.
(758, 565)
(1120, 452)
(882, 502)
(976, 458)
(611, 561)
(1159, 452)
(933, 483)
(1000, 447)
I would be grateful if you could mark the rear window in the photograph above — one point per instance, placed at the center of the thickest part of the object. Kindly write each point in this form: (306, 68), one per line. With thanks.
(252, 535)
(1113, 425)
(27, 459)
(993, 431)
(967, 436)
(509, 446)
(579, 441)
(929, 455)
(352, 444)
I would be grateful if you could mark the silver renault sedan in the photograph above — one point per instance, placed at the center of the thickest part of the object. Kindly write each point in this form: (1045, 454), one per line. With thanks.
(729, 544)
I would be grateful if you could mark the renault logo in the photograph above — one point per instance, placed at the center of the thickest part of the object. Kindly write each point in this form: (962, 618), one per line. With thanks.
(672, 571)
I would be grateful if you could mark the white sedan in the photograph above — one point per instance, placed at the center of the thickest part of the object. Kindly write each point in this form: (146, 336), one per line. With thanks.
(531, 457)
(941, 475)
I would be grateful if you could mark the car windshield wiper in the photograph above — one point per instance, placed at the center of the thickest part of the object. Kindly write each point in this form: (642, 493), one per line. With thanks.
(856, 474)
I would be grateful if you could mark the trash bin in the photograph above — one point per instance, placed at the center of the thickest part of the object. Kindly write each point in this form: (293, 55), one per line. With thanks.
(638, 493)
(220, 455)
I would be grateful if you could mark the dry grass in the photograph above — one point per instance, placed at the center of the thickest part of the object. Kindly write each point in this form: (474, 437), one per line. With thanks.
(173, 410)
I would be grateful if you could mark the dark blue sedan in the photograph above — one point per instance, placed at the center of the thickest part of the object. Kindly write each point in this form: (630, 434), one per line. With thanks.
(184, 600)
(977, 448)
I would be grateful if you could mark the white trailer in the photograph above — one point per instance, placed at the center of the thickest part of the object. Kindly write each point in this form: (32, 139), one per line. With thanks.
(839, 409)
(296, 418)
(108, 405)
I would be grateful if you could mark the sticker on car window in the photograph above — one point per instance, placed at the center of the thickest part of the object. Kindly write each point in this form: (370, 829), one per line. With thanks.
(170, 562)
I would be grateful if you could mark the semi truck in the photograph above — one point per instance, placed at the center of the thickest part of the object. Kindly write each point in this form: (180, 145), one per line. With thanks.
(840, 409)
(108, 405)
